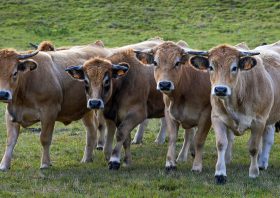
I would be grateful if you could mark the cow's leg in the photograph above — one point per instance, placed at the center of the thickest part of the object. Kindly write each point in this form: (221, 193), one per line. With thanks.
(47, 123)
(111, 128)
(172, 127)
(199, 139)
(127, 125)
(101, 131)
(267, 142)
(90, 123)
(140, 131)
(257, 130)
(162, 133)
(12, 136)
(183, 155)
(230, 136)
(126, 145)
(221, 144)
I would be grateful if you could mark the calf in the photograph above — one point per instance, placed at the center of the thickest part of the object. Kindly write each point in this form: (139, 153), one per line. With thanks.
(244, 95)
(126, 92)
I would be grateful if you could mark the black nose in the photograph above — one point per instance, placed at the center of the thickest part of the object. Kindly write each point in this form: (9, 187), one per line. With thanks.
(4, 95)
(220, 91)
(165, 85)
(95, 104)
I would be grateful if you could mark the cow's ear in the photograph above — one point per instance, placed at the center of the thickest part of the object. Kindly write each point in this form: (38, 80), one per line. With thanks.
(199, 62)
(119, 70)
(26, 65)
(145, 56)
(247, 63)
(76, 72)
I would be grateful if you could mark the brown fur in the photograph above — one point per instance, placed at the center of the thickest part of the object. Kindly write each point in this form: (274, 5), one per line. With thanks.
(46, 46)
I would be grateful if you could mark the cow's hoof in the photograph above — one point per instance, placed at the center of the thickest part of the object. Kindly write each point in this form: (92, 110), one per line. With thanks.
(170, 168)
(4, 168)
(262, 168)
(45, 166)
(87, 160)
(193, 154)
(99, 148)
(221, 179)
(197, 168)
(114, 165)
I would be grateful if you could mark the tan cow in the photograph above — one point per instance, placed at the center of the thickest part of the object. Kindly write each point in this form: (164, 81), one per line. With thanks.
(126, 91)
(39, 89)
(186, 94)
(49, 46)
(245, 94)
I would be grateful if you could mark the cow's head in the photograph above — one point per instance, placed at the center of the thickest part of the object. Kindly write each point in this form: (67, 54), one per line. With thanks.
(168, 59)
(98, 75)
(13, 66)
(224, 64)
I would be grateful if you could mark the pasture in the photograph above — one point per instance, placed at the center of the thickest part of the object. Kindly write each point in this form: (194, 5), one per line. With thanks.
(202, 24)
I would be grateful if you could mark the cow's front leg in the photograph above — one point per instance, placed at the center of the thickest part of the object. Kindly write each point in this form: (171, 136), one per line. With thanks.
(203, 128)
(230, 136)
(12, 136)
(126, 145)
(172, 127)
(257, 130)
(47, 122)
(111, 128)
(101, 131)
(221, 144)
(90, 123)
(267, 142)
(183, 155)
(162, 133)
(140, 131)
(127, 125)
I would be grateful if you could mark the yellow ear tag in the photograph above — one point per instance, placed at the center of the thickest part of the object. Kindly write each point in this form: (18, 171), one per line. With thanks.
(120, 72)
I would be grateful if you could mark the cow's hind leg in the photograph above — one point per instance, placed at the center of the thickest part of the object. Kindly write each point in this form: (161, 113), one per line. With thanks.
(267, 142)
(162, 133)
(140, 131)
(90, 123)
(12, 136)
(111, 128)
(183, 155)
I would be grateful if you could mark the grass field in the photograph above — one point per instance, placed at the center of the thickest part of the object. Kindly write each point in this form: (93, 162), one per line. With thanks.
(203, 24)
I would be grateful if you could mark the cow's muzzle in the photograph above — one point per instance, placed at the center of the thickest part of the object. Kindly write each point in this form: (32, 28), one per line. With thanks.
(221, 90)
(95, 104)
(165, 86)
(5, 96)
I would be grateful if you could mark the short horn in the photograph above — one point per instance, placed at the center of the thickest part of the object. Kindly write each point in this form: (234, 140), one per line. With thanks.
(25, 56)
(198, 53)
(35, 46)
(247, 53)
(119, 67)
(77, 67)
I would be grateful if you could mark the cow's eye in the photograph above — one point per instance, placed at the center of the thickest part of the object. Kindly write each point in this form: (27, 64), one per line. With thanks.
(211, 68)
(234, 69)
(86, 85)
(155, 63)
(14, 76)
(178, 63)
(106, 82)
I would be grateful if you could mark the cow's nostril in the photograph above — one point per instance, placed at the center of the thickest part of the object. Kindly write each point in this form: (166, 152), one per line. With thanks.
(221, 91)
(4, 95)
(165, 85)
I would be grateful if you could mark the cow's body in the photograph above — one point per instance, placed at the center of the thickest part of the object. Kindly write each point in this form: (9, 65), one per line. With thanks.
(243, 99)
(47, 94)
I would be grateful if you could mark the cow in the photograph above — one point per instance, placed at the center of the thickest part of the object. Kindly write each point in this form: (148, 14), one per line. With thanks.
(39, 90)
(244, 95)
(49, 46)
(186, 94)
(125, 90)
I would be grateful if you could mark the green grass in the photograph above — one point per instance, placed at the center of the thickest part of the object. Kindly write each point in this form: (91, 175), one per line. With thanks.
(203, 24)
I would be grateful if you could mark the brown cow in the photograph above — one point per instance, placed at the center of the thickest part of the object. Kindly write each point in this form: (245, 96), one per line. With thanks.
(245, 88)
(39, 89)
(186, 94)
(127, 94)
